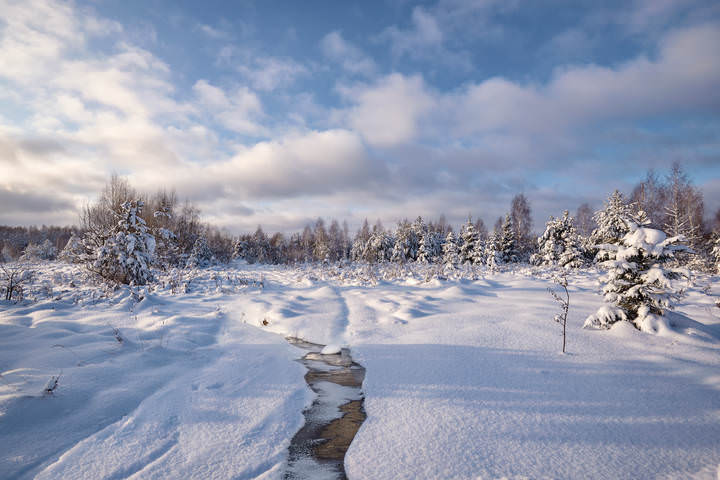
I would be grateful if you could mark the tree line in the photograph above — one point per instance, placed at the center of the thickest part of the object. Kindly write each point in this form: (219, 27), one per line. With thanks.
(159, 230)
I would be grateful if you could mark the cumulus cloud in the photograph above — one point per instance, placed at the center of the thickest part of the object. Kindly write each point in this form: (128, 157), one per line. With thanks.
(387, 112)
(309, 163)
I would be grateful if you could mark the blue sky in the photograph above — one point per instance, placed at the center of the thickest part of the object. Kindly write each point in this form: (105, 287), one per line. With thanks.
(275, 113)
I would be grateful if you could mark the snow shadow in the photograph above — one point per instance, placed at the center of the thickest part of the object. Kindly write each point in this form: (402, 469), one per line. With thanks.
(623, 417)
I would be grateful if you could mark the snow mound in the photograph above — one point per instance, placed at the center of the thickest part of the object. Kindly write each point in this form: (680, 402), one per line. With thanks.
(331, 350)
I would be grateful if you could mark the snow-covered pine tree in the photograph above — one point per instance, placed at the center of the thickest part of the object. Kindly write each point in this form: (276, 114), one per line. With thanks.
(74, 251)
(638, 286)
(492, 252)
(469, 237)
(559, 244)
(406, 243)
(611, 225)
(451, 253)
(716, 251)
(201, 254)
(508, 242)
(479, 252)
(379, 247)
(127, 253)
(240, 249)
(359, 243)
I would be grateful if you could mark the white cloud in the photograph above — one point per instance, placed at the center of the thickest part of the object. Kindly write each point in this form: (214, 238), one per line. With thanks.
(387, 113)
(425, 33)
(269, 73)
(238, 111)
(350, 57)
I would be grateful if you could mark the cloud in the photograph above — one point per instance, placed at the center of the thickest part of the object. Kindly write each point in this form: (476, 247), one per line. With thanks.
(237, 112)
(269, 73)
(387, 112)
(350, 57)
(424, 33)
(308, 163)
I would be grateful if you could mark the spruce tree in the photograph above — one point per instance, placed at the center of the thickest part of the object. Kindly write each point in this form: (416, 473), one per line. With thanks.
(451, 253)
(508, 242)
(611, 224)
(201, 254)
(127, 253)
(469, 237)
(638, 286)
(559, 244)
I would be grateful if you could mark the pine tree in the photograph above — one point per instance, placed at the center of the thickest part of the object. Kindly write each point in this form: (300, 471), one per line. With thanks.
(126, 255)
(716, 252)
(493, 255)
(451, 253)
(638, 286)
(469, 237)
(406, 243)
(74, 251)
(479, 252)
(611, 224)
(508, 242)
(559, 244)
(201, 255)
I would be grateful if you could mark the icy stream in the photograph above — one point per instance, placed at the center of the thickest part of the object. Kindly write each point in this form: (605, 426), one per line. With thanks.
(318, 449)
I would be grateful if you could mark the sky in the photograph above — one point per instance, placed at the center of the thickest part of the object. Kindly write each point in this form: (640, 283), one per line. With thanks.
(275, 113)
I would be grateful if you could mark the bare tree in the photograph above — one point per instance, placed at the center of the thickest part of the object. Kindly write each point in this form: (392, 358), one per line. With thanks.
(584, 221)
(521, 215)
(14, 275)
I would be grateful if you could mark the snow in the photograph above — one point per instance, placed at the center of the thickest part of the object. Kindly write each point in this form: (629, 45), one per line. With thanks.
(463, 377)
(331, 350)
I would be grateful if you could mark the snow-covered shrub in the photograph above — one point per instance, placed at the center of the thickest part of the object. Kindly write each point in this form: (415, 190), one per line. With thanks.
(201, 255)
(44, 251)
(126, 255)
(12, 277)
(559, 244)
(639, 287)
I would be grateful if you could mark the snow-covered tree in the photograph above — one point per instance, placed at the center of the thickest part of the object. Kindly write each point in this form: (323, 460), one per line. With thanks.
(639, 286)
(508, 246)
(43, 251)
(611, 224)
(559, 244)
(379, 247)
(451, 252)
(469, 237)
(406, 243)
(240, 249)
(479, 253)
(430, 247)
(201, 255)
(492, 254)
(716, 252)
(127, 253)
(74, 250)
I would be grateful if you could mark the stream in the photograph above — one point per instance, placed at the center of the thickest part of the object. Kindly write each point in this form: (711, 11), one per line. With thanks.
(317, 451)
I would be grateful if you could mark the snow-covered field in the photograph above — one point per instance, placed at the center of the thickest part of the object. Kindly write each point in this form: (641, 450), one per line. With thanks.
(192, 378)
